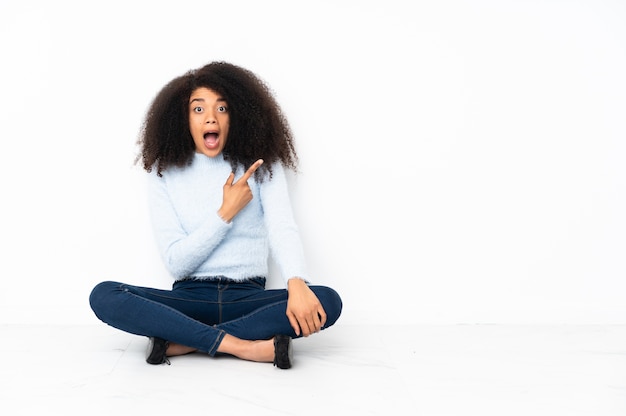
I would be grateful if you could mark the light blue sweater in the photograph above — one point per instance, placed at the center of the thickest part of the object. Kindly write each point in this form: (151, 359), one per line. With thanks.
(195, 242)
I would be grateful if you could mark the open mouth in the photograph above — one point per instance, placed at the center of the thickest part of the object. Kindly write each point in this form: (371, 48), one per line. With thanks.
(211, 139)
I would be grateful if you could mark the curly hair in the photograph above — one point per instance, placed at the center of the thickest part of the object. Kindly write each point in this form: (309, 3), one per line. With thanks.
(258, 127)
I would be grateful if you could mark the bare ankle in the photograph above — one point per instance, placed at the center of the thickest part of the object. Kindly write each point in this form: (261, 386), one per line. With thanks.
(259, 351)
(178, 349)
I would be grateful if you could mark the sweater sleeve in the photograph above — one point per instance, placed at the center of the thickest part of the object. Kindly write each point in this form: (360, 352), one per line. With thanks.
(284, 237)
(181, 251)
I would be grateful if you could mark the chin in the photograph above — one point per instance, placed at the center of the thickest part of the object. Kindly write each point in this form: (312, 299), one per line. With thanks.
(209, 152)
(212, 153)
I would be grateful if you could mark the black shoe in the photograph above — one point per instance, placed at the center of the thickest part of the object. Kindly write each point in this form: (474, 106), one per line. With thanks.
(157, 347)
(283, 351)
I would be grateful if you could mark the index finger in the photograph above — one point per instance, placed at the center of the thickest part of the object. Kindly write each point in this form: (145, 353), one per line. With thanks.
(322, 315)
(252, 169)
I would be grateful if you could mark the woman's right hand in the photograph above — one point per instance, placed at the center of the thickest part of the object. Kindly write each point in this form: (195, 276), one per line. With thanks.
(237, 194)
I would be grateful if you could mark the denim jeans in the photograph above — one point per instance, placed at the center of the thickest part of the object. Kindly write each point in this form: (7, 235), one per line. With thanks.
(198, 313)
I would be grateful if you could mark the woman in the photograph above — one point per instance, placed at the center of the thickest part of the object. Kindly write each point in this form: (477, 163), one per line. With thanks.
(216, 145)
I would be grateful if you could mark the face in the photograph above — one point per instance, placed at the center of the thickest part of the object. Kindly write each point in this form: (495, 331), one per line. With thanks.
(208, 121)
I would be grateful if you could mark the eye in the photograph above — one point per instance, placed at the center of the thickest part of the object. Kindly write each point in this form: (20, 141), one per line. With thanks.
(197, 109)
(222, 109)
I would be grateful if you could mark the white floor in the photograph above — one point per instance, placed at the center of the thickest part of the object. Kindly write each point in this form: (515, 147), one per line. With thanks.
(346, 370)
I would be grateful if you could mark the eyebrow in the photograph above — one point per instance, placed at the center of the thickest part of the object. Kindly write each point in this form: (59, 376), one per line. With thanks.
(219, 100)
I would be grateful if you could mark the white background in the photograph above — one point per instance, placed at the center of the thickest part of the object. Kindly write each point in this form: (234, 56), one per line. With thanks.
(461, 161)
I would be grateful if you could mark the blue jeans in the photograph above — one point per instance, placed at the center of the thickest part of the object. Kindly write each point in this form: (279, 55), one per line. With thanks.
(198, 313)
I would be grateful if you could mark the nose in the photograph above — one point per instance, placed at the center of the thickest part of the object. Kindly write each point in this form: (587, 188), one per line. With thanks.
(210, 118)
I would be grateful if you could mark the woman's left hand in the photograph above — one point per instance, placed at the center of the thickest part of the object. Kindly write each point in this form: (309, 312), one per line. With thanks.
(304, 310)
